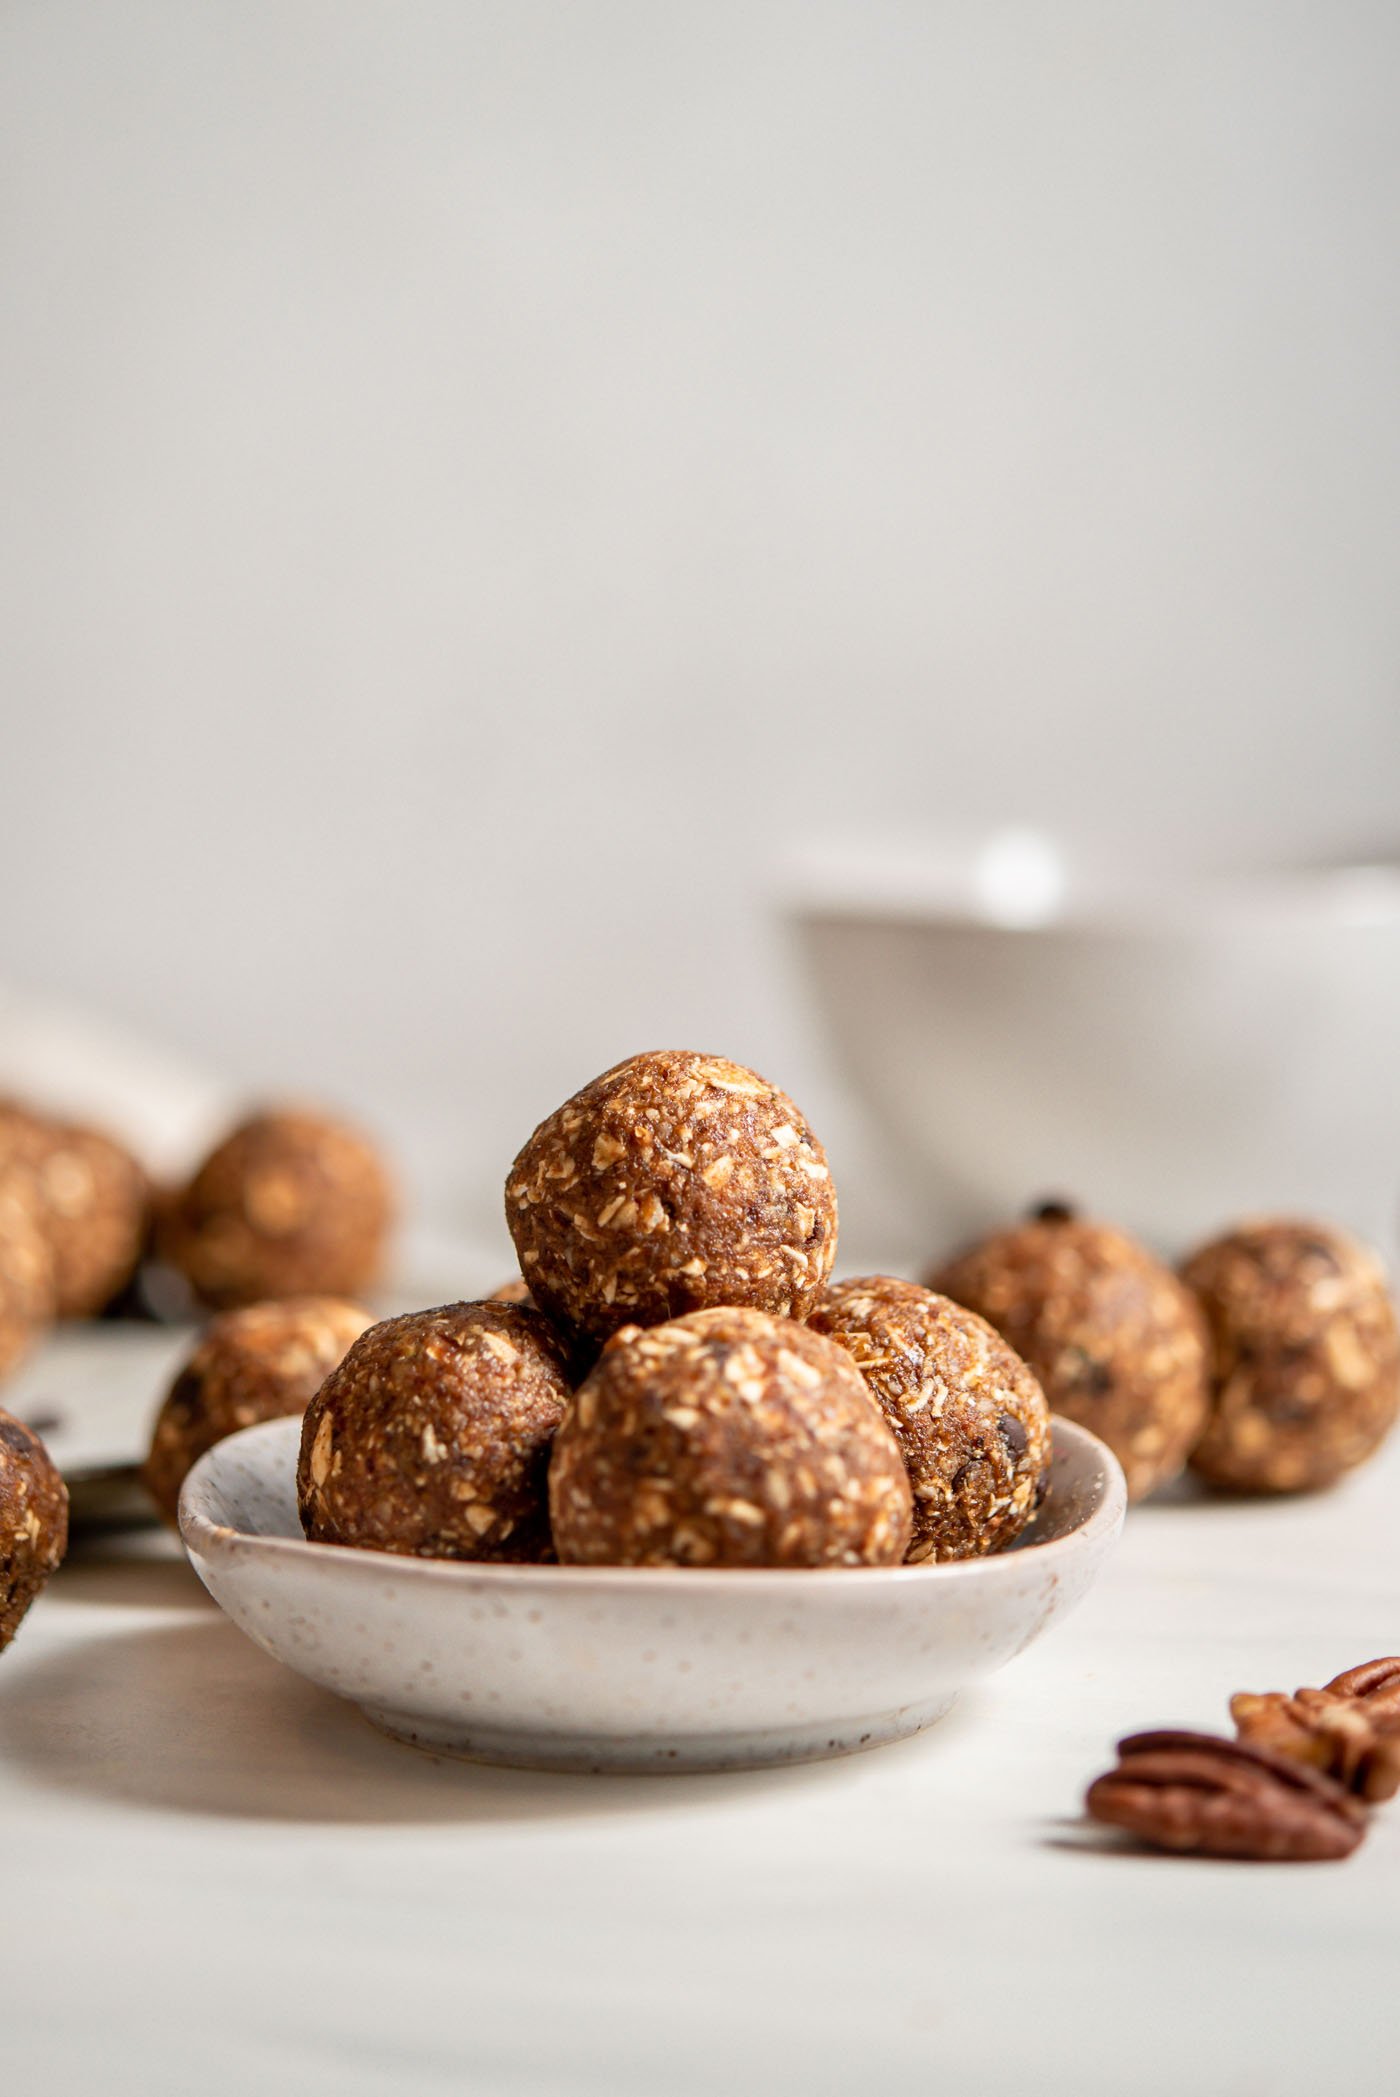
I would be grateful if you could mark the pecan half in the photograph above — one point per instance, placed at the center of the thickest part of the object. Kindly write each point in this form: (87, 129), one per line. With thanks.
(1350, 1730)
(1340, 1735)
(1376, 1684)
(1225, 1798)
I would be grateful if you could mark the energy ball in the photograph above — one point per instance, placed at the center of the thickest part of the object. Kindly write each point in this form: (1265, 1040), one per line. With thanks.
(432, 1437)
(581, 1350)
(970, 1419)
(291, 1204)
(1116, 1341)
(94, 1203)
(673, 1183)
(516, 1291)
(1304, 1354)
(26, 1268)
(261, 1363)
(33, 1522)
(727, 1438)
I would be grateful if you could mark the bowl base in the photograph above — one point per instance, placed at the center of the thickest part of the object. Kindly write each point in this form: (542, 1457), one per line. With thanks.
(634, 1755)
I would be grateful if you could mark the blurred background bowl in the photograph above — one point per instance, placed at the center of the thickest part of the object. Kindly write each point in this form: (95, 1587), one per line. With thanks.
(1171, 1053)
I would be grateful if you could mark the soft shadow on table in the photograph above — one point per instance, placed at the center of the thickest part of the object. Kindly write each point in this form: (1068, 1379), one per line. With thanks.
(1189, 1491)
(1088, 1838)
(1186, 1491)
(191, 1718)
(140, 1569)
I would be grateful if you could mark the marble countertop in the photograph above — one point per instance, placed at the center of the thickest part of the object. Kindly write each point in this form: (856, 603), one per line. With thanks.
(219, 1879)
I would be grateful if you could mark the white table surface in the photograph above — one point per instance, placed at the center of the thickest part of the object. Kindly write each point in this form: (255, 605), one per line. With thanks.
(218, 1879)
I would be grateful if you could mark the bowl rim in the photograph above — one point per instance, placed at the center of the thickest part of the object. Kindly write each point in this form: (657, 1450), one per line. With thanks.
(862, 882)
(205, 1538)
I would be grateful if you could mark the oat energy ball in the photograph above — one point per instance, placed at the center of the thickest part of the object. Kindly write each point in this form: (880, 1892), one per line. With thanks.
(260, 1363)
(727, 1438)
(1305, 1356)
(33, 1522)
(26, 1268)
(515, 1291)
(93, 1200)
(291, 1204)
(432, 1437)
(970, 1419)
(673, 1183)
(1115, 1340)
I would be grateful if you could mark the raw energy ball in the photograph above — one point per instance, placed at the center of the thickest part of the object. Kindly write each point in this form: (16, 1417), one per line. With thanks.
(1116, 1341)
(290, 1204)
(580, 1349)
(33, 1522)
(26, 1268)
(259, 1363)
(673, 1183)
(969, 1417)
(727, 1438)
(1305, 1356)
(94, 1204)
(432, 1437)
(516, 1291)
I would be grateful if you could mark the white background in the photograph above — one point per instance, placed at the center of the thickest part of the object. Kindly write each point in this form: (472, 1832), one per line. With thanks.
(478, 481)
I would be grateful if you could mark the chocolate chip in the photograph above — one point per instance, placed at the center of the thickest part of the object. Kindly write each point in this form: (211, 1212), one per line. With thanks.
(1054, 1211)
(1081, 1372)
(15, 1436)
(1317, 1249)
(1014, 1436)
(1283, 1408)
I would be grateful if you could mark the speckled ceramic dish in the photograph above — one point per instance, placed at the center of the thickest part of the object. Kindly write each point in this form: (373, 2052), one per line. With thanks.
(615, 1668)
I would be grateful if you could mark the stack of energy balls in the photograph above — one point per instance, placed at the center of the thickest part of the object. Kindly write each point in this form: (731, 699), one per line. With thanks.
(287, 1216)
(673, 1381)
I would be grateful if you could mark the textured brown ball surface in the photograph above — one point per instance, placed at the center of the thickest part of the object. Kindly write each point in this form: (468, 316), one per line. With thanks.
(581, 1350)
(673, 1183)
(727, 1438)
(1305, 1356)
(33, 1522)
(1115, 1340)
(260, 1363)
(26, 1268)
(94, 1203)
(290, 1204)
(432, 1437)
(970, 1419)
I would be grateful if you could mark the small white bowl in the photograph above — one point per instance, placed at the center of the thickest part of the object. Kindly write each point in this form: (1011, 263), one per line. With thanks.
(1174, 1053)
(623, 1668)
